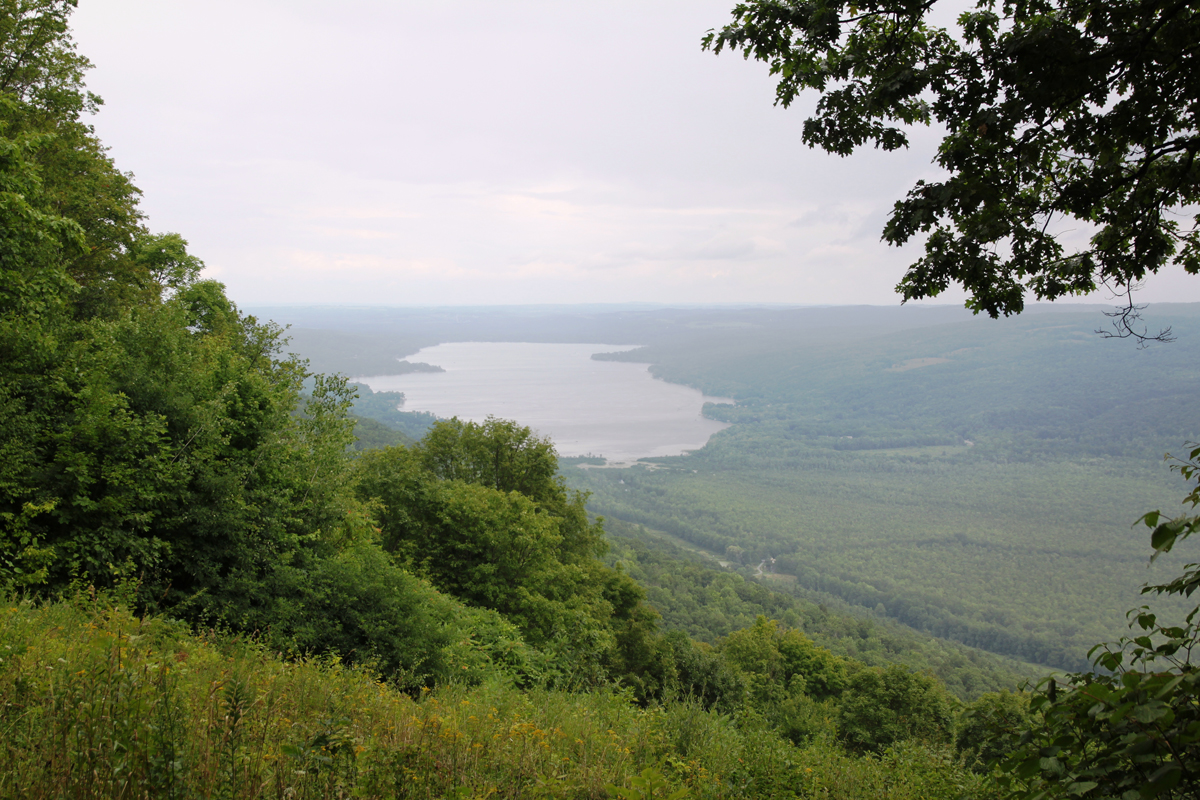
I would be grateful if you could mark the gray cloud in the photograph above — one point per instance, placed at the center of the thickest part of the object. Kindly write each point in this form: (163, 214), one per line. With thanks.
(471, 151)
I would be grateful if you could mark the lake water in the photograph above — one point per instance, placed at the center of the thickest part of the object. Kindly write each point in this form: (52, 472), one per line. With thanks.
(608, 408)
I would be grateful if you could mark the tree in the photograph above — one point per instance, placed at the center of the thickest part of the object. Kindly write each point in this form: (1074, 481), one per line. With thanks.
(1054, 111)
(149, 430)
(490, 548)
(482, 512)
(988, 727)
(45, 100)
(498, 453)
(883, 706)
(145, 423)
(508, 457)
(787, 678)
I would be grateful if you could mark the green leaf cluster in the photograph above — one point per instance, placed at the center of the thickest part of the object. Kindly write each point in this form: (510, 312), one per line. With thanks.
(479, 509)
(1054, 111)
(153, 434)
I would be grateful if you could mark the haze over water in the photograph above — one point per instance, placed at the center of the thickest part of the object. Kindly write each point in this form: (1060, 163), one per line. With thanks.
(608, 408)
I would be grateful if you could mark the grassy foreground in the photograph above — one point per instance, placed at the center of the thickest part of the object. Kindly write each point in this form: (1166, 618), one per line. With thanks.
(96, 702)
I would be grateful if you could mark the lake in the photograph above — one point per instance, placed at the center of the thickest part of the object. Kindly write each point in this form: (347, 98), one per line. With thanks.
(608, 408)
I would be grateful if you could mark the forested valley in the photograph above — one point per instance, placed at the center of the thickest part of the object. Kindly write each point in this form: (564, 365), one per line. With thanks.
(229, 572)
(972, 479)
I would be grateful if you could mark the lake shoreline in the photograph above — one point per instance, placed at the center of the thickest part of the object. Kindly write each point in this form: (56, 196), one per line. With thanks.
(614, 409)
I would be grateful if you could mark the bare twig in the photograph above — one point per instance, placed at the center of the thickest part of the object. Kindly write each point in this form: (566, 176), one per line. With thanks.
(1127, 318)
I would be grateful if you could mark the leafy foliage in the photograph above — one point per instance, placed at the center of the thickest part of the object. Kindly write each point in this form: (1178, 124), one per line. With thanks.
(787, 677)
(988, 727)
(648, 785)
(1054, 110)
(450, 509)
(498, 453)
(150, 429)
(886, 706)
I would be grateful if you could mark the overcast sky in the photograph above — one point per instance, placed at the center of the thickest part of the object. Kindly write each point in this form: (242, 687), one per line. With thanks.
(389, 152)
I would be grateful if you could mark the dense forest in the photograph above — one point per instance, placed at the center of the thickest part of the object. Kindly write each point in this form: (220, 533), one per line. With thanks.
(976, 480)
(222, 579)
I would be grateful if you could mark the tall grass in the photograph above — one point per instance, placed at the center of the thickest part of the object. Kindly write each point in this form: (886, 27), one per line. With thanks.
(96, 702)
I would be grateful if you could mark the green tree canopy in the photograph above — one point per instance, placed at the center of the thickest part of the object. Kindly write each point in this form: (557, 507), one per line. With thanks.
(883, 706)
(1055, 111)
(498, 453)
(481, 511)
(147, 425)
(508, 457)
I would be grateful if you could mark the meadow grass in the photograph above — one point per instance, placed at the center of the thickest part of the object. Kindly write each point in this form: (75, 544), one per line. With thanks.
(96, 702)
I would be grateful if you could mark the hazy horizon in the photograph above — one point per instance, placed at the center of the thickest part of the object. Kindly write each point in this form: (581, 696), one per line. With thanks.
(1074, 305)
